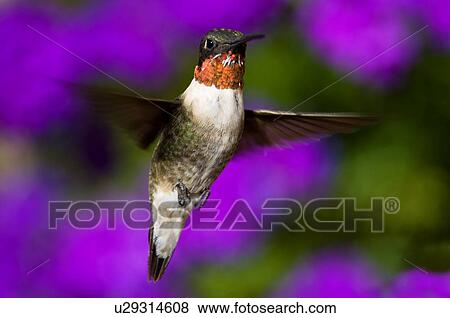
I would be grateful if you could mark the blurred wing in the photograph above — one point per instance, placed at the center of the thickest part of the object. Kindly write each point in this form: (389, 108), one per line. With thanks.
(141, 118)
(270, 128)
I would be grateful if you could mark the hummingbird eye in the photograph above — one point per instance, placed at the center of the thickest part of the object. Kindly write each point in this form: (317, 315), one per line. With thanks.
(209, 44)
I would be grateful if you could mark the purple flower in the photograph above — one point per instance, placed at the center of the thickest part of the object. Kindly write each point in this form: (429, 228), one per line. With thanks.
(31, 98)
(416, 283)
(25, 241)
(108, 262)
(199, 16)
(289, 173)
(66, 261)
(363, 35)
(333, 273)
(127, 39)
(102, 262)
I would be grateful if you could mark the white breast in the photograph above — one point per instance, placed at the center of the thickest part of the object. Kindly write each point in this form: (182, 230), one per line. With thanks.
(220, 107)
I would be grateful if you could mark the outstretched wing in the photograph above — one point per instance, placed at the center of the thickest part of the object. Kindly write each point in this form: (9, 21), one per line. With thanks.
(271, 128)
(141, 118)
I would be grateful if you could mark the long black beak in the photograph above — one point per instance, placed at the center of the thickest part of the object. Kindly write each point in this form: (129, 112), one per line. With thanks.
(247, 38)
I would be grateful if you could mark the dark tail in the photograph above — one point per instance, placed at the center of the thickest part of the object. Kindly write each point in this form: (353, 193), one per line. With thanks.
(156, 265)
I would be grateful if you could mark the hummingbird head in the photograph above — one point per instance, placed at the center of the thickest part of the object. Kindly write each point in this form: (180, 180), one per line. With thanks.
(222, 58)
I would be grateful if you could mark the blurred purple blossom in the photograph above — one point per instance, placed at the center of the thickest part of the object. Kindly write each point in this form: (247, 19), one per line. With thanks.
(199, 16)
(415, 283)
(347, 273)
(127, 39)
(350, 33)
(25, 241)
(288, 173)
(106, 263)
(69, 262)
(31, 98)
(333, 273)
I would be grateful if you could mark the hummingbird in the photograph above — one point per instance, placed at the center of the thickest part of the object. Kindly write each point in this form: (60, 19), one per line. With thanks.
(200, 132)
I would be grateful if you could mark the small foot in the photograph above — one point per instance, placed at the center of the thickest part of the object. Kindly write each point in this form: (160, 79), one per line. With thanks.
(200, 198)
(184, 197)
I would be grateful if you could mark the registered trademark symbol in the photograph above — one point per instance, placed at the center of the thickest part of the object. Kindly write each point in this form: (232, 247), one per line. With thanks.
(392, 205)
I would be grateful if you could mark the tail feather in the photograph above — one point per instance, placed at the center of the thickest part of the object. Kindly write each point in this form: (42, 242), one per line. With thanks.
(168, 221)
(156, 265)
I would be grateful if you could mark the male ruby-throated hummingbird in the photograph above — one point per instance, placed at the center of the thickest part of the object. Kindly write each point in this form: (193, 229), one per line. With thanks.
(202, 130)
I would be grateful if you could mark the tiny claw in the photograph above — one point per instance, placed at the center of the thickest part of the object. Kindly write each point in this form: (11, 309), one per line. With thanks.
(183, 194)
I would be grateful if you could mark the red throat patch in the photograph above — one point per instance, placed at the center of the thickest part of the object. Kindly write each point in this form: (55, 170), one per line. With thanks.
(223, 71)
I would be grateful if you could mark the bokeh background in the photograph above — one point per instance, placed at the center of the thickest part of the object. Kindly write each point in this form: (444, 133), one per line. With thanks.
(397, 54)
